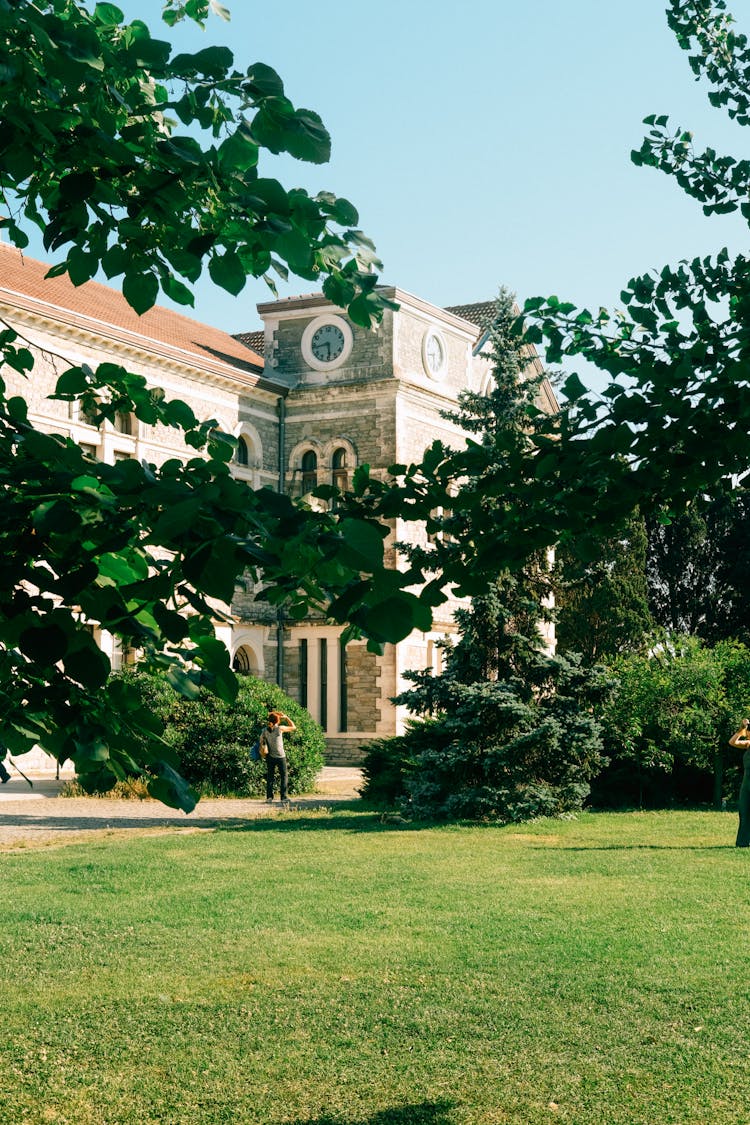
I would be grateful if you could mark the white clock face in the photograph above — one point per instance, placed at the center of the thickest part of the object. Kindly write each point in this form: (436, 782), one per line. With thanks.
(327, 343)
(434, 353)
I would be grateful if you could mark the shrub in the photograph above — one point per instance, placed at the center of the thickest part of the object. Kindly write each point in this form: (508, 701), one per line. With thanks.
(384, 770)
(668, 723)
(132, 790)
(495, 751)
(213, 738)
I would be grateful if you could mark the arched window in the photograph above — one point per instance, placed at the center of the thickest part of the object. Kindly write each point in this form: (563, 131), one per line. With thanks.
(241, 452)
(309, 467)
(243, 662)
(123, 423)
(340, 475)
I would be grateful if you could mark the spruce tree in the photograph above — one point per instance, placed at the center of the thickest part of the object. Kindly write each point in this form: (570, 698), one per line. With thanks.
(507, 731)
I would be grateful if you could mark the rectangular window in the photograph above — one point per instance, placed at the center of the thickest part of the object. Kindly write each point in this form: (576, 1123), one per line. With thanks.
(342, 689)
(324, 684)
(303, 672)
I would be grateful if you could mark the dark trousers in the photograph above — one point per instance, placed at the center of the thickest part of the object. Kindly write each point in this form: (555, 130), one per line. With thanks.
(743, 832)
(271, 765)
(4, 775)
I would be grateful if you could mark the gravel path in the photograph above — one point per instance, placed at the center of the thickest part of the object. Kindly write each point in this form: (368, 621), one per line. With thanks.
(38, 817)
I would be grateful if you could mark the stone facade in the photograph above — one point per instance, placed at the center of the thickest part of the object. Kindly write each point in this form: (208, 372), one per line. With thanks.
(381, 402)
(326, 397)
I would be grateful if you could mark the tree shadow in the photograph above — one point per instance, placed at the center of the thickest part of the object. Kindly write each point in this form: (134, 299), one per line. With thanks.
(639, 847)
(425, 1113)
(339, 821)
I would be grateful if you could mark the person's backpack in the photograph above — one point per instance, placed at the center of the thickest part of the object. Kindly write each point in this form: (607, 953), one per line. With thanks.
(258, 750)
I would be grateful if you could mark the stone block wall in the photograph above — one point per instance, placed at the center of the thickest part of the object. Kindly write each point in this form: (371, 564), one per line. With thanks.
(363, 688)
(360, 416)
(371, 356)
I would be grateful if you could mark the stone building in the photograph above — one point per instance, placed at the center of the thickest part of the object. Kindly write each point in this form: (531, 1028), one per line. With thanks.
(308, 399)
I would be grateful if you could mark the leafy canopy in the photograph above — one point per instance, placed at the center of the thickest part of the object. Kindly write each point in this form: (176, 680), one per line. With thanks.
(146, 164)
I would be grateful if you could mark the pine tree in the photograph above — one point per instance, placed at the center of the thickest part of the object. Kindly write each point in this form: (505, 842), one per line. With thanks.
(507, 731)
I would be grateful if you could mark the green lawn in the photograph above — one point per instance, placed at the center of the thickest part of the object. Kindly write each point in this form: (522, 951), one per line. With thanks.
(330, 970)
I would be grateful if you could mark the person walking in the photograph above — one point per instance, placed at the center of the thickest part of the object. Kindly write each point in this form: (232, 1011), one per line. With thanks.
(277, 726)
(4, 775)
(741, 739)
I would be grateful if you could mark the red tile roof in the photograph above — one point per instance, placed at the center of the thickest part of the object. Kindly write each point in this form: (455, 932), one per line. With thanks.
(99, 309)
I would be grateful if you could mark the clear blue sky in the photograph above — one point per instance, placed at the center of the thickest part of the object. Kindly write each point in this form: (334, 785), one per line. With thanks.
(486, 143)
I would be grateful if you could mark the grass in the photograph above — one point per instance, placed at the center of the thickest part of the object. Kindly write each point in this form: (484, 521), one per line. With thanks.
(331, 970)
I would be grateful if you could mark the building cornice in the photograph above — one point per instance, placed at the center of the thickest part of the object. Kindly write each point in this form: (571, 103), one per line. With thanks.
(292, 307)
(173, 360)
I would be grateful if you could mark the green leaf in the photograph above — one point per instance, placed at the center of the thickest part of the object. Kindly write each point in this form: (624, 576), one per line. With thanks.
(573, 388)
(176, 521)
(72, 382)
(115, 261)
(213, 62)
(345, 213)
(179, 414)
(171, 789)
(18, 409)
(214, 570)
(77, 185)
(123, 569)
(109, 15)
(264, 82)
(396, 617)
(89, 667)
(228, 272)
(183, 682)
(174, 625)
(215, 659)
(295, 248)
(239, 150)
(363, 544)
(140, 290)
(177, 291)
(46, 643)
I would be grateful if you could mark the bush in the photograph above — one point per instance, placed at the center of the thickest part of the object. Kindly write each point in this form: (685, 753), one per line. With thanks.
(384, 771)
(668, 723)
(213, 738)
(496, 751)
(133, 790)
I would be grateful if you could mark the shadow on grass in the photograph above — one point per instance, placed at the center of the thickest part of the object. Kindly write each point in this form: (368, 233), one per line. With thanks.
(426, 1113)
(369, 821)
(340, 820)
(638, 847)
(342, 817)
